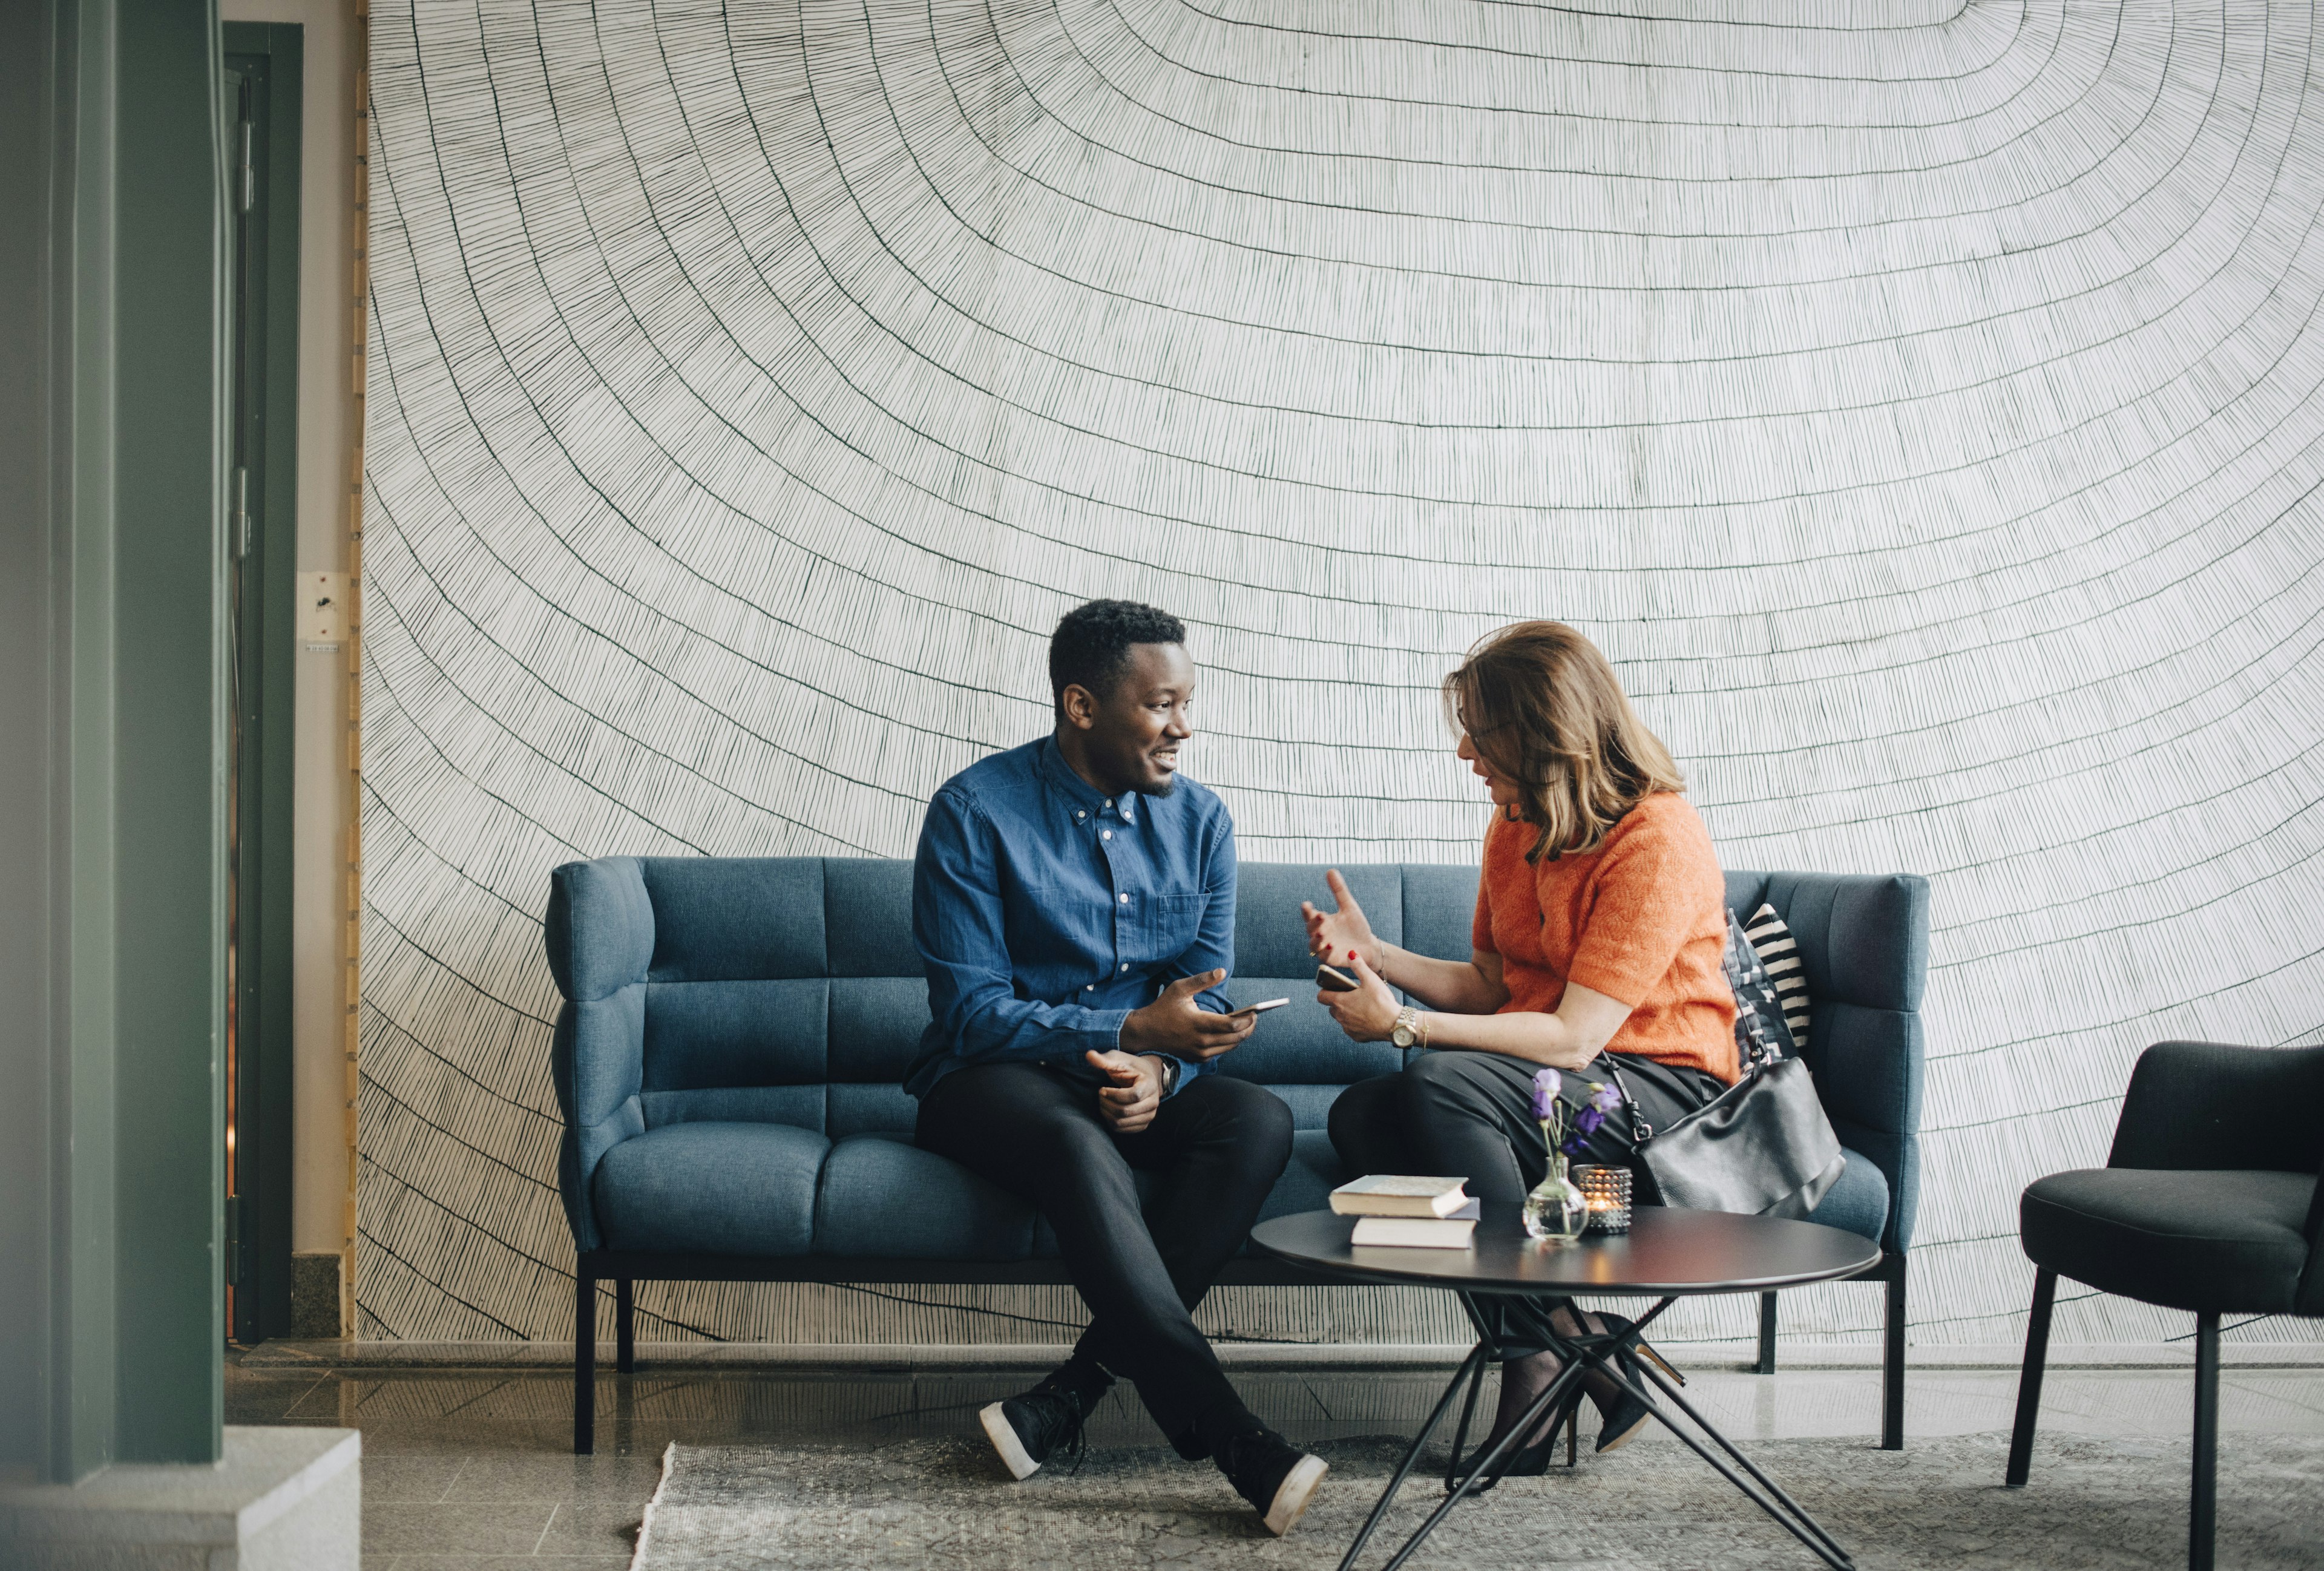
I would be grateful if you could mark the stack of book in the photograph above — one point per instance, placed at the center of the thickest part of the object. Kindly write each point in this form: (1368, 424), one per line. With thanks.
(1400, 1211)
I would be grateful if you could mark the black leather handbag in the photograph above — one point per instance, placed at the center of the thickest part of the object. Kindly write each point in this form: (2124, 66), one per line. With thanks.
(1763, 1147)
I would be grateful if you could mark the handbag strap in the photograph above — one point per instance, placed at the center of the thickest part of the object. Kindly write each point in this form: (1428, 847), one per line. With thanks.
(1640, 1130)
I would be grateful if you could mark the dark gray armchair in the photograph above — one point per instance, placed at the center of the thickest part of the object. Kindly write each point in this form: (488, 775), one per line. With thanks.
(2208, 1202)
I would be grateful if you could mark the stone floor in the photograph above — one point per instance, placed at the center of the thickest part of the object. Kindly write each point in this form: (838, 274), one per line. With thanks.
(465, 1469)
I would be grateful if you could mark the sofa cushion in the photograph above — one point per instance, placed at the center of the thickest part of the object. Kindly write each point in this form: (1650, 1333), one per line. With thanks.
(876, 1024)
(1308, 1180)
(721, 1035)
(2221, 1241)
(1440, 909)
(867, 916)
(736, 919)
(712, 1189)
(878, 1109)
(1300, 1044)
(884, 1197)
(1270, 940)
(1858, 1200)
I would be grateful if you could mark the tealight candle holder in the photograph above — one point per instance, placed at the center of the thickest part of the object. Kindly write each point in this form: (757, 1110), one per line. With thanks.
(1606, 1194)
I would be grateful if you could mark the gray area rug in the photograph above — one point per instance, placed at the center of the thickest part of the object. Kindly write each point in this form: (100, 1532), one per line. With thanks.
(2094, 1502)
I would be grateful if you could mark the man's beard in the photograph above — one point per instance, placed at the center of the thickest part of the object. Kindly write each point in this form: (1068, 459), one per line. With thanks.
(1169, 783)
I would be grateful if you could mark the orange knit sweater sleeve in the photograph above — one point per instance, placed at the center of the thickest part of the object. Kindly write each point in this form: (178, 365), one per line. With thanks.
(1639, 914)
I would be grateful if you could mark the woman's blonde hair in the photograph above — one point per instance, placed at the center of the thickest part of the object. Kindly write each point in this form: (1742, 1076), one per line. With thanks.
(1545, 710)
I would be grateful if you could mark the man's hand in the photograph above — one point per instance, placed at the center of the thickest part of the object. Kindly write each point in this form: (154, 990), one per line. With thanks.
(1130, 1104)
(1332, 934)
(1175, 1024)
(1369, 1013)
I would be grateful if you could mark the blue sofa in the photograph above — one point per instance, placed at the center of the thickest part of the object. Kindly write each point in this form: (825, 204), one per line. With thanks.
(729, 1054)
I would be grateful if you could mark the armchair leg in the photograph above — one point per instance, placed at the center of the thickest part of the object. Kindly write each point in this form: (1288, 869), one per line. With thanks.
(1892, 1364)
(626, 1328)
(1766, 1334)
(584, 1360)
(2202, 1516)
(2029, 1379)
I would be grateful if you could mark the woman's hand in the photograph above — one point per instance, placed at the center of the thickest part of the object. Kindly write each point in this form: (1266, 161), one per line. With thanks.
(1369, 1013)
(1334, 933)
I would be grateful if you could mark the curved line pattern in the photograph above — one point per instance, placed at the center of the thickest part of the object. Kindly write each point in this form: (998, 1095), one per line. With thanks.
(1923, 402)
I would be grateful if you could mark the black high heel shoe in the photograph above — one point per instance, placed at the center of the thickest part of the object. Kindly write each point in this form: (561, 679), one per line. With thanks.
(1627, 1418)
(1530, 1461)
(1617, 1326)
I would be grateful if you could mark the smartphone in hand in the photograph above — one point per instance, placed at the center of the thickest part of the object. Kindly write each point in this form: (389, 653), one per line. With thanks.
(1258, 1009)
(1332, 979)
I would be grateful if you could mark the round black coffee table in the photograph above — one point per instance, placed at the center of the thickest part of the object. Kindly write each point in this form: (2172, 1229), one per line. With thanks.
(1667, 1254)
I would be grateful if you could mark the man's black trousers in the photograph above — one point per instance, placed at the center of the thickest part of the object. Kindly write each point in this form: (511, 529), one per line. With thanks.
(1216, 1149)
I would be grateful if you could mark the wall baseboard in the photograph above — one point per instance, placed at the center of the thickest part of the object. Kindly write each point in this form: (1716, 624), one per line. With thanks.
(315, 1295)
(335, 1354)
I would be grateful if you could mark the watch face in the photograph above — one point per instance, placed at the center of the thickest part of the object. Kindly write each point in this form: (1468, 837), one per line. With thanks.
(1401, 1036)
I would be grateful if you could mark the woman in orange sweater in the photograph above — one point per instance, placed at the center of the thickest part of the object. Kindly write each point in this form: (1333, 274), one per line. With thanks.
(1601, 924)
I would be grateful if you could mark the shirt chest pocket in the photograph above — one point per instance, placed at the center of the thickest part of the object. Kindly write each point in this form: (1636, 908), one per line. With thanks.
(1168, 925)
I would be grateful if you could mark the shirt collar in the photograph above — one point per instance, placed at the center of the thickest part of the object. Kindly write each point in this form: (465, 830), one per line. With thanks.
(1079, 794)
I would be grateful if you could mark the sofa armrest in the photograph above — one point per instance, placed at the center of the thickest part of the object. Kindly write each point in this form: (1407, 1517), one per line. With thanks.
(2210, 1104)
(1864, 946)
(1864, 938)
(599, 931)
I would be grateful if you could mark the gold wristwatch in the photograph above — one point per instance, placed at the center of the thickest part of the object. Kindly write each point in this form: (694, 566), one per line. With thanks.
(1407, 1027)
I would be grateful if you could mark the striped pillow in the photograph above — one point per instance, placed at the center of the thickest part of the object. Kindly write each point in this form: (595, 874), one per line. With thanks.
(1779, 952)
(1761, 1036)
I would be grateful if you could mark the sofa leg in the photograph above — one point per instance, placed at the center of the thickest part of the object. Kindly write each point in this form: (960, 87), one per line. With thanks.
(1767, 1333)
(2202, 1514)
(1892, 1364)
(2029, 1379)
(585, 1361)
(626, 1328)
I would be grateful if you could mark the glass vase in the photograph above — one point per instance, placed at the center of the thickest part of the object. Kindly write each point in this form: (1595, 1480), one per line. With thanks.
(1556, 1209)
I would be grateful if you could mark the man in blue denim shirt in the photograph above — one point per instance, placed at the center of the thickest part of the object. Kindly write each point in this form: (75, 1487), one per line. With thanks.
(1074, 903)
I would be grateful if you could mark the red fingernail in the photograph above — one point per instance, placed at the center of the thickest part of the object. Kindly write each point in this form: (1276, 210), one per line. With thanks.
(1352, 954)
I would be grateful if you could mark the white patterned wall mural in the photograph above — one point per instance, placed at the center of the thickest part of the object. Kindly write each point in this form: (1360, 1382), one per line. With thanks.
(1918, 399)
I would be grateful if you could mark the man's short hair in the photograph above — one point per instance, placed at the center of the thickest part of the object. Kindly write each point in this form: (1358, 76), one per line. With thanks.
(1090, 647)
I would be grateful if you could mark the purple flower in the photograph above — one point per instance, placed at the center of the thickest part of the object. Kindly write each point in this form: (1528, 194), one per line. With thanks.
(1572, 1147)
(1587, 1121)
(1605, 1099)
(1544, 1093)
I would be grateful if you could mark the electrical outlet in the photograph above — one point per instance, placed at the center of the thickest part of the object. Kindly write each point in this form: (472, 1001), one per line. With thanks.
(322, 610)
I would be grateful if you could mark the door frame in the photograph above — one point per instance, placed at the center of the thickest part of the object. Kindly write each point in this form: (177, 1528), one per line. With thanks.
(260, 1211)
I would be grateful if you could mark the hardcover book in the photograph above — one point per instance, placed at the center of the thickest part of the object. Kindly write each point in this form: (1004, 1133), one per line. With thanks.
(1399, 1194)
(1413, 1232)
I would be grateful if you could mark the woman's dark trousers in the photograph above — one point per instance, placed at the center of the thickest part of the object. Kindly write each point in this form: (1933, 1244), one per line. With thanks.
(1216, 1149)
(1469, 1114)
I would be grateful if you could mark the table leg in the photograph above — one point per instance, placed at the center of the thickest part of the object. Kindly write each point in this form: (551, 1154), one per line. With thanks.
(1787, 1512)
(1487, 1466)
(1472, 1369)
(1590, 1350)
(1460, 1431)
